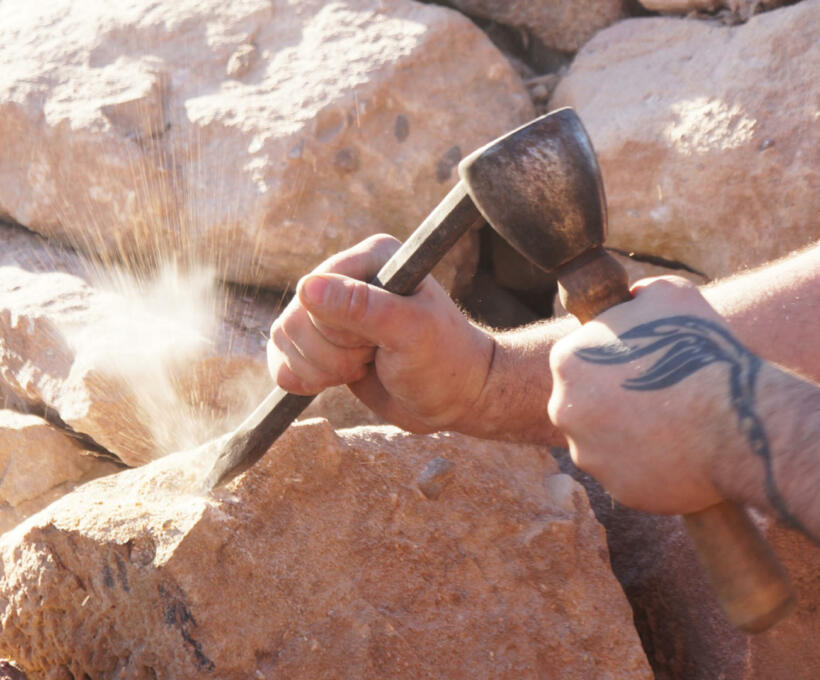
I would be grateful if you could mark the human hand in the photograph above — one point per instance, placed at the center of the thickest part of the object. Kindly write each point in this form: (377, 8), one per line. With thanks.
(651, 393)
(416, 361)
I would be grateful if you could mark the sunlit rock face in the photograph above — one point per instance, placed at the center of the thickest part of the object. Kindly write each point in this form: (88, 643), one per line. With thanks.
(40, 463)
(367, 553)
(706, 134)
(257, 136)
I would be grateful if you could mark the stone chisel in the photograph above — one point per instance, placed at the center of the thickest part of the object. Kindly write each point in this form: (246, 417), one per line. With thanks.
(401, 274)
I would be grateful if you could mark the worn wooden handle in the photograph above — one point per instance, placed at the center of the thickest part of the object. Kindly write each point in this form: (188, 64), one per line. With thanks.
(750, 584)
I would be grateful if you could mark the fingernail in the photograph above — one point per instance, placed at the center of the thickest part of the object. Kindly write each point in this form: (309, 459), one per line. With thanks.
(314, 289)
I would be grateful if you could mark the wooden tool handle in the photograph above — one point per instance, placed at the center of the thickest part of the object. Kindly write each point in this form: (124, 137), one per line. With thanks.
(401, 275)
(751, 585)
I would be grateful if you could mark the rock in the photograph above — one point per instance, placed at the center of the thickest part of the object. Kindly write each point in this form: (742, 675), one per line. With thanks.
(323, 560)
(637, 270)
(40, 463)
(683, 629)
(560, 24)
(706, 135)
(744, 7)
(257, 137)
(143, 366)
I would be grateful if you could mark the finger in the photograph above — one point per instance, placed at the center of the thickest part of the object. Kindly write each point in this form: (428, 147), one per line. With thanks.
(666, 282)
(345, 363)
(363, 260)
(291, 371)
(364, 311)
(373, 394)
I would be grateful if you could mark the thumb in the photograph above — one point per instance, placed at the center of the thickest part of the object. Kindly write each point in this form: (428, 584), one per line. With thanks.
(352, 313)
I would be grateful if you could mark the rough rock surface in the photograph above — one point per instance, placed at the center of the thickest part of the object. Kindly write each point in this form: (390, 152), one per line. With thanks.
(707, 135)
(363, 554)
(144, 368)
(684, 632)
(745, 7)
(256, 136)
(39, 463)
(561, 24)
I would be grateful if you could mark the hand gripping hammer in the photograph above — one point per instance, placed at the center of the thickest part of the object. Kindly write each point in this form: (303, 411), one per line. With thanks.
(540, 187)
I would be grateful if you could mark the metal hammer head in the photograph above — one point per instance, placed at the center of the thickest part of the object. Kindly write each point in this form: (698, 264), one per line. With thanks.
(540, 188)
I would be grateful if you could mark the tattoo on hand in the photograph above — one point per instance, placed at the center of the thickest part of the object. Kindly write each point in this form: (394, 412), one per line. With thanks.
(691, 343)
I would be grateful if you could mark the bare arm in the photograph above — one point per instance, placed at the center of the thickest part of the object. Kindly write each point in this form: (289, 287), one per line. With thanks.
(775, 310)
(422, 365)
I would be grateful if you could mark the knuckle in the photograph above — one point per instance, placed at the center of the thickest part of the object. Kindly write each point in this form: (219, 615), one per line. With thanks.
(381, 241)
(560, 356)
(357, 301)
(279, 338)
(288, 380)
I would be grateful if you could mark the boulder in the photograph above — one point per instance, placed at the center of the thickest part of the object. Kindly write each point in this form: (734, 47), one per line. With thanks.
(684, 632)
(745, 8)
(560, 24)
(706, 134)
(367, 553)
(143, 365)
(40, 463)
(257, 137)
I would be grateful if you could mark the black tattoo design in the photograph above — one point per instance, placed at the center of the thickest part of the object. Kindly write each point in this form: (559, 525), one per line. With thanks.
(691, 343)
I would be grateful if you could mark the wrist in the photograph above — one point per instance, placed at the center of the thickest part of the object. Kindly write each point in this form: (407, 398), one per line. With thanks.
(512, 403)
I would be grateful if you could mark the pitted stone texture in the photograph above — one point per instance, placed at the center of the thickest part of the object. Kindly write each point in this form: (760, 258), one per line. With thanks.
(561, 24)
(40, 463)
(707, 135)
(324, 559)
(259, 137)
(744, 8)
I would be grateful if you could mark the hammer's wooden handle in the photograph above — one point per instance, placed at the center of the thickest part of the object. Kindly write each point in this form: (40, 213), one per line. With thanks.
(750, 583)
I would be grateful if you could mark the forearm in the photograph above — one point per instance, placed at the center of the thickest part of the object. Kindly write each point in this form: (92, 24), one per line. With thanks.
(776, 467)
(775, 310)
(513, 402)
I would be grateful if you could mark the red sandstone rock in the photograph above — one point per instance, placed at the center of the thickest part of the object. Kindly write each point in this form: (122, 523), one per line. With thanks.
(40, 463)
(326, 559)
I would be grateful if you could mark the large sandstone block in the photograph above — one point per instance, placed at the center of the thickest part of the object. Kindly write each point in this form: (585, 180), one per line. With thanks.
(40, 463)
(561, 24)
(256, 136)
(707, 135)
(368, 553)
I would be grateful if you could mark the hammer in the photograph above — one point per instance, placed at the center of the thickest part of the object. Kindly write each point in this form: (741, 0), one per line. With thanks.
(540, 187)
(560, 225)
